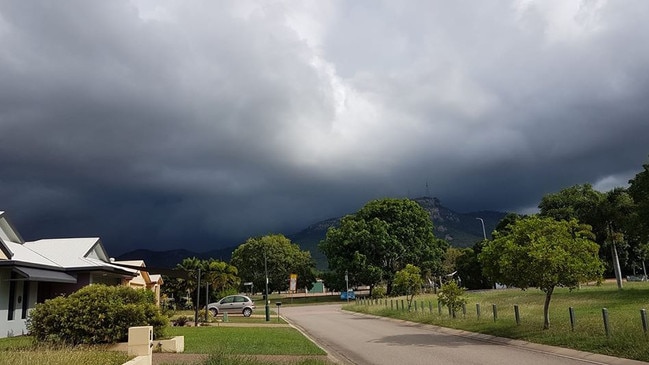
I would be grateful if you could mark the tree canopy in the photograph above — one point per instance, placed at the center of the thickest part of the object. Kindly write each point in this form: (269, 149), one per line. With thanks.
(544, 253)
(221, 276)
(283, 258)
(408, 281)
(639, 191)
(381, 239)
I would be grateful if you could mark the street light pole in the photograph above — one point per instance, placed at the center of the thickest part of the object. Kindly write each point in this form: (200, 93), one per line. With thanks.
(267, 308)
(484, 233)
(347, 285)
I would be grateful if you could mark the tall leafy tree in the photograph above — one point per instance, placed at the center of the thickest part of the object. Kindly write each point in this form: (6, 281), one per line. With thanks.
(221, 276)
(579, 202)
(639, 191)
(381, 239)
(604, 212)
(544, 253)
(282, 257)
(469, 268)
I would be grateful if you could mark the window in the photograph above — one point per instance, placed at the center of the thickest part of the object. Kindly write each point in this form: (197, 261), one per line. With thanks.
(25, 299)
(12, 297)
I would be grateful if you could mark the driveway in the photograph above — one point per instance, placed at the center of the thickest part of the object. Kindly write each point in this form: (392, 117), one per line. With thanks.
(361, 339)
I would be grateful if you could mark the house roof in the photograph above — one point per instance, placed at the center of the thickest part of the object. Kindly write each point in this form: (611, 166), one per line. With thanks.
(5, 252)
(7, 230)
(32, 274)
(155, 278)
(62, 254)
(132, 264)
(67, 253)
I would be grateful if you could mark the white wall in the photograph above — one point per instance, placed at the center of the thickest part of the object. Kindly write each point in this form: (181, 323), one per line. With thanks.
(17, 326)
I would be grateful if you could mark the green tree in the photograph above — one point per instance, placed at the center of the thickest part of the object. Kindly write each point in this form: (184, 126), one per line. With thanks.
(639, 219)
(283, 258)
(579, 202)
(449, 264)
(222, 276)
(509, 219)
(606, 213)
(452, 296)
(544, 253)
(469, 268)
(381, 239)
(348, 249)
(408, 281)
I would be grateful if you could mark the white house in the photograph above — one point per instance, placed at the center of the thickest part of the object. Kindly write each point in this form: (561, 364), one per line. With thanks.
(31, 272)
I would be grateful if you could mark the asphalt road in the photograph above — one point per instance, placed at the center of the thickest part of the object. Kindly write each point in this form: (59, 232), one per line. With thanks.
(360, 339)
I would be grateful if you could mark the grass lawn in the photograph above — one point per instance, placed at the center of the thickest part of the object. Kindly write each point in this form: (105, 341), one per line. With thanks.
(626, 339)
(21, 351)
(258, 317)
(246, 340)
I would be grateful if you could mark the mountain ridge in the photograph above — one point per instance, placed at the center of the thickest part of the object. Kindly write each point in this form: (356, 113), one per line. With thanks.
(459, 229)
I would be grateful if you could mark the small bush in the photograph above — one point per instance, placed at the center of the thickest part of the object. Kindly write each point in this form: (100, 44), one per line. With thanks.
(378, 292)
(95, 314)
(451, 295)
(181, 321)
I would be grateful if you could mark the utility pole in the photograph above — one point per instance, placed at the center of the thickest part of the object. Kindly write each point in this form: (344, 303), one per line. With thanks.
(266, 296)
(198, 297)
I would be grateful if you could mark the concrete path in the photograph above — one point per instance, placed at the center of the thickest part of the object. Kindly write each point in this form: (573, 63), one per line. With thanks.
(362, 339)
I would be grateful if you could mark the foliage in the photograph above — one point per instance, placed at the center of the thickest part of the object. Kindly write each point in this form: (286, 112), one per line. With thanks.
(449, 264)
(283, 259)
(379, 292)
(579, 202)
(510, 218)
(381, 239)
(95, 314)
(408, 281)
(469, 268)
(543, 253)
(452, 296)
(221, 276)
(639, 191)
(611, 216)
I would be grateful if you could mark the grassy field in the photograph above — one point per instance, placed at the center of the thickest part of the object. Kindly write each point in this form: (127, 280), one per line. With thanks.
(626, 336)
(246, 340)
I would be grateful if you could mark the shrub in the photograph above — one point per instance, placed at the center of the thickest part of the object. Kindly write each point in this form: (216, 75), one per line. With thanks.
(181, 321)
(451, 295)
(378, 292)
(95, 314)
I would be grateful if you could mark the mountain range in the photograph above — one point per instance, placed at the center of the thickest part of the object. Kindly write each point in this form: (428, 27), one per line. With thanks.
(459, 229)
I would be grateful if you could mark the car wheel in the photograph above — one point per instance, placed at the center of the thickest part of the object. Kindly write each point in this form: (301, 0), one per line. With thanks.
(214, 312)
(247, 312)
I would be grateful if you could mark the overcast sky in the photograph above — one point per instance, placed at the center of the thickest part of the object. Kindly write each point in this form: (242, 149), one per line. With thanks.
(197, 124)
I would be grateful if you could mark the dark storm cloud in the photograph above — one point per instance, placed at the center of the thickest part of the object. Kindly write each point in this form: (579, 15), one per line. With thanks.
(198, 124)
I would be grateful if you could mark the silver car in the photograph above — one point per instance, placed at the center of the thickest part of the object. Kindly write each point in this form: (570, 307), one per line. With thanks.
(232, 304)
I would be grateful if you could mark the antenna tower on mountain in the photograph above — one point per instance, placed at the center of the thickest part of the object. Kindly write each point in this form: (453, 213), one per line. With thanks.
(427, 190)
